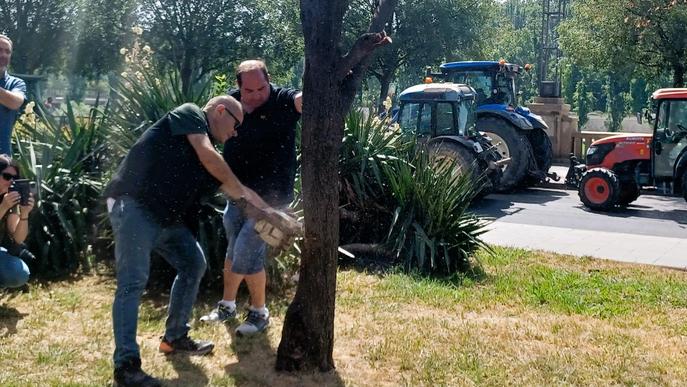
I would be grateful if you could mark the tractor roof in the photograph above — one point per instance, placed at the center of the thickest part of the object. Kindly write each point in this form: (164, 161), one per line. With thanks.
(437, 91)
(670, 94)
(479, 66)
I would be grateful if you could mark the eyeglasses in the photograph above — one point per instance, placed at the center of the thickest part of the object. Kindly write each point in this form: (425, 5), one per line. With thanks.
(8, 176)
(237, 123)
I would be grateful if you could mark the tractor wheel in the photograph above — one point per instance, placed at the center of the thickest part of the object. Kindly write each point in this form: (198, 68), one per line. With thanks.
(629, 192)
(510, 143)
(543, 153)
(599, 189)
(449, 154)
(684, 184)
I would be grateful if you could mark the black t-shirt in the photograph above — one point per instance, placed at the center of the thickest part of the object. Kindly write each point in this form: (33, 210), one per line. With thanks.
(162, 170)
(263, 155)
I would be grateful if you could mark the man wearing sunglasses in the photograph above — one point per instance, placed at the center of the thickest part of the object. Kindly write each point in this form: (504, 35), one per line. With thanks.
(12, 96)
(153, 204)
(264, 159)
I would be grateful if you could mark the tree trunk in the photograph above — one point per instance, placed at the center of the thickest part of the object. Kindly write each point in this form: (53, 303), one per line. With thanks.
(329, 85)
(678, 74)
(384, 82)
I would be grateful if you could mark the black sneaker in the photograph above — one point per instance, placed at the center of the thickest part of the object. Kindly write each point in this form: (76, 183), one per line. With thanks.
(187, 345)
(130, 373)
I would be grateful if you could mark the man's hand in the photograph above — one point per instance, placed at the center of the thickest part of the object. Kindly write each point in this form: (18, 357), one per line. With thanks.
(277, 228)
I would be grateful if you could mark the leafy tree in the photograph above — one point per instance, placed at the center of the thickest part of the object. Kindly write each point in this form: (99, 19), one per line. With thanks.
(610, 33)
(39, 30)
(198, 37)
(616, 90)
(101, 31)
(331, 79)
(583, 100)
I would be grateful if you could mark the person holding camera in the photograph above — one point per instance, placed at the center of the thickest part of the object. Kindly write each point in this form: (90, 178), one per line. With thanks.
(14, 226)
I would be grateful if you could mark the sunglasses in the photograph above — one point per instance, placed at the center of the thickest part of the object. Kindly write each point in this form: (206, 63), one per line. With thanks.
(237, 123)
(8, 176)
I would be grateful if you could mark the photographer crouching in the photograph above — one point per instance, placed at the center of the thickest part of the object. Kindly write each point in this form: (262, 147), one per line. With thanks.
(15, 205)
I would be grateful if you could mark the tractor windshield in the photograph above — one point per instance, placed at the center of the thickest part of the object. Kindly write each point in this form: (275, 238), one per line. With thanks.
(670, 136)
(437, 118)
(491, 88)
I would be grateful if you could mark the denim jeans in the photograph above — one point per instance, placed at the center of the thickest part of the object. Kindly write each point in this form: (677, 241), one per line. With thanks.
(136, 236)
(245, 249)
(13, 271)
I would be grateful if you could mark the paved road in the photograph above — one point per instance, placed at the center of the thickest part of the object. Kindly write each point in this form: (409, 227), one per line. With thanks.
(653, 230)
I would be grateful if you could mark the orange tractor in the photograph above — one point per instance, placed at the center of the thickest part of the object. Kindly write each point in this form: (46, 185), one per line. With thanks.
(618, 167)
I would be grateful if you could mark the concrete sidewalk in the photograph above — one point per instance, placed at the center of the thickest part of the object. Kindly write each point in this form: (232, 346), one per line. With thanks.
(644, 249)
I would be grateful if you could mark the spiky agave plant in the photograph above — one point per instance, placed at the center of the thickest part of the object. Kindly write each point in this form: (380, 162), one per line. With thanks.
(66, 163)
(432, 230)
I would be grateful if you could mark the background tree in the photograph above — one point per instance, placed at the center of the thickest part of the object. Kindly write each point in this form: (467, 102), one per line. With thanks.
(197, 37)
(103, 28)
(330, 82)
(39, 30)
(649, 33)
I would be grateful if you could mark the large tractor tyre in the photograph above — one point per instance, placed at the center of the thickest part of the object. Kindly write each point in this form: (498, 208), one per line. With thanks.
(449, 154)
(542, 151)
(629, 192)
(510, 143)
(599, 189)
(684, 184)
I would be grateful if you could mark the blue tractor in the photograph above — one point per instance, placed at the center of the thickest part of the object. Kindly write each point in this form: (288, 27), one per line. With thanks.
(442, 118)
(518, 134)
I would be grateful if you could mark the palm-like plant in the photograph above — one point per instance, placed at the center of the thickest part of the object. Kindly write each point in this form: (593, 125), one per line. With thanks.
(432, 230)
(368, 144)
(66, 163)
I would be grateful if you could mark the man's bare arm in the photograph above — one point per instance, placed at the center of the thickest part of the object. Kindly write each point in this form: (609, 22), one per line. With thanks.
(11, 100)
(298, 102)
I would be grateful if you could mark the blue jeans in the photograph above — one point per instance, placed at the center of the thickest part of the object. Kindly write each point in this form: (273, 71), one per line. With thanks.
(13, 271)
(136, 236)
(246, 250)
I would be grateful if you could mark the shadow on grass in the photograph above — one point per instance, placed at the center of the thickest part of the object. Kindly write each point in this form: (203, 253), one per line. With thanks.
(189, 374)
(9, 317)
(256, 365)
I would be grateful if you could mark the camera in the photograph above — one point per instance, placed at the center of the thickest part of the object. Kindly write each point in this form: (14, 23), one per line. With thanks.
(23, 186)
(20, 251)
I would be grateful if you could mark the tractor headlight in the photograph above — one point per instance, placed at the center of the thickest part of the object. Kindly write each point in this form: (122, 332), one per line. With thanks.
(597, 153)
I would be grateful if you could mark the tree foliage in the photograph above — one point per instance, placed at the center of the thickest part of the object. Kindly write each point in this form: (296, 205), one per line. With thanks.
(38, 29)
(197, 37)
(611, 34)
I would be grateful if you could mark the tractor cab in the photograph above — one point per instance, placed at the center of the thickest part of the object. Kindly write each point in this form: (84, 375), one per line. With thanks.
(437, 109)
(494, 82)
(669, 145)
(442, 118)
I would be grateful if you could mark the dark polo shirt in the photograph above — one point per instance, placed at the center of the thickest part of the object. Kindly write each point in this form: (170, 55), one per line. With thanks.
(263, 155)
(163, 172)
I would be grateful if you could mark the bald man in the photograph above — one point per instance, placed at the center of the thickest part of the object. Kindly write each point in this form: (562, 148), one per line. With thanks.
(153, 204)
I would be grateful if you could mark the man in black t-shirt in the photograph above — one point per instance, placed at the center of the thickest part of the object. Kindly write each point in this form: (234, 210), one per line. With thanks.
(153, 202)
(264, 159)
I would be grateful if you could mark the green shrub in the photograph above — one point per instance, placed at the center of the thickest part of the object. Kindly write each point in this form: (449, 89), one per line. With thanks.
(66, 164)
(432, 230)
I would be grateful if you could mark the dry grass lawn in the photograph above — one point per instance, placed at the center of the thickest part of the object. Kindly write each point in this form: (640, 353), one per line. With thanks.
(531, 319)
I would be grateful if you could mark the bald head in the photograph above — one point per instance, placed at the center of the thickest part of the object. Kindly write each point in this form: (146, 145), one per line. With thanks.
(229, 103)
